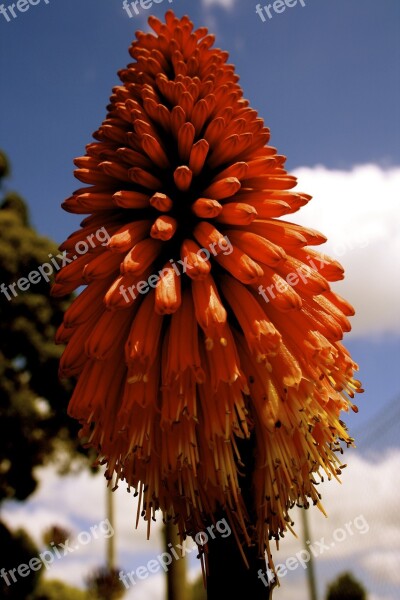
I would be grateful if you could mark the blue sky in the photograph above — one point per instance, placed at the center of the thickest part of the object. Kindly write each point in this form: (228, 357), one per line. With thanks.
(325, 77)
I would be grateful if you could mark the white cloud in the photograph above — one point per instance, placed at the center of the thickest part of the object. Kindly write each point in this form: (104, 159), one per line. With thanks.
(380, 597)
(358, 211)
(77, 503)
(366, 499)
(228, 4)
(363, 524)
(384, 565)
(152, 588)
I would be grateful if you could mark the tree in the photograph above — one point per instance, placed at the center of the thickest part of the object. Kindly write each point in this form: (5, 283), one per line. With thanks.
(198, 590)
(33, 402)
(19, 549)
(105, 584)
(56, 590)
(346, 587)
(177, 588)
(34, 427)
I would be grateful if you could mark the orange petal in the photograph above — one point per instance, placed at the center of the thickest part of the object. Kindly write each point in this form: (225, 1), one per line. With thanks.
(230, 148)
(127, 199)
(194, 264)
(307, 280)
(262, 337)
(133, 158)
(272, 182)
(183, 351)
(183, 178)
(178, 118)
(198, 156)
(143, 342)
(88, 202)
(260, 166)
(115, 170)
(205, 208)
(238, 170)
(223, 188)
(123, 292)
(155, 152)
(82, 307)
(210, 312)
(163, 228)
(128, 235)
(200, 114)
(74, 271)
(91, 176)
(210, 238)
(142, 255)
(168, 291)
(257, 247)
(105, 264)
(107, 335)
(214, 131)
(241, 266)
(286, 234)
(273, 289)
(144, 178)
(161, 202)
(270, 208)
(186, 135)
(329, 268)
(237, 213)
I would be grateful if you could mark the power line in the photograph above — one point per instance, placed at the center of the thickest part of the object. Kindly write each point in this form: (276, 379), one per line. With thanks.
(380, 424)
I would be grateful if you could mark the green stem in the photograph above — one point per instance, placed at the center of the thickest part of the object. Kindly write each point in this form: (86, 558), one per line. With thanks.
(228, 575)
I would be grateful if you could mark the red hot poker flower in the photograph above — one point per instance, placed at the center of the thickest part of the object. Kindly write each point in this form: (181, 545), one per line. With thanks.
(207, 319)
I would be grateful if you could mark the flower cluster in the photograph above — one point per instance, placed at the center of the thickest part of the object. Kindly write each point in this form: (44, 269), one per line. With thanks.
(170, 382)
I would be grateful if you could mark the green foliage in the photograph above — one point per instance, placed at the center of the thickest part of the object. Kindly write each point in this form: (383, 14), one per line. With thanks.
(346, 587)
(18, 549)
(55, 535)
(33, 402)
(56, 590)
(104, 584)
(34, 426)
(198, 592)
(4, 165)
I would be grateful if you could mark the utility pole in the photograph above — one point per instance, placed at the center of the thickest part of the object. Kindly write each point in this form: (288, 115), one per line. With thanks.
(310, 566)
(177, 588)
(110, 517)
